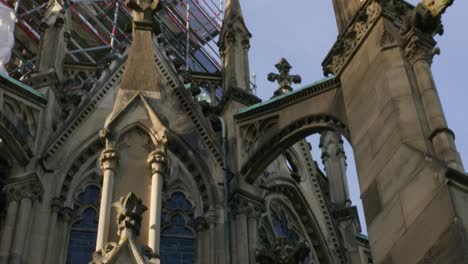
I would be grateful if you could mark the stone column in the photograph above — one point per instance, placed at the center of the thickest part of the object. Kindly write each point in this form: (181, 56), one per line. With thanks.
(334, 160)
(157, 161)
(201, 226)
(420, 51)
(55, 207)
(253, 217)
(21, 229)
(109, 163)
(66, 214)
(27, 189)
(211, 219)
(8, 230)
(246, 211)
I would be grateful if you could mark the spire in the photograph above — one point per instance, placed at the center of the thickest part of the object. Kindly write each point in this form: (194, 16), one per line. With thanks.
(141, 64)
(234, 44)
(55, 32)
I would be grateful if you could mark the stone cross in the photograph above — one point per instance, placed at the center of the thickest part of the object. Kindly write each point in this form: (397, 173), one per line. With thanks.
(284, 79)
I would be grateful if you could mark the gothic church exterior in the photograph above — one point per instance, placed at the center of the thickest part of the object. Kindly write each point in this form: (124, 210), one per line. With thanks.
(140, 169)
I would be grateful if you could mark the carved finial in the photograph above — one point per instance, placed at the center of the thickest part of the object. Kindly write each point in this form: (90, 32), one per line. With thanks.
(143, 11)
(129, 212)
(283, 78)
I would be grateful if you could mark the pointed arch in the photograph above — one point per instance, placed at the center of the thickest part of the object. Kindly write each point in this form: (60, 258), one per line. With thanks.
(284, 190)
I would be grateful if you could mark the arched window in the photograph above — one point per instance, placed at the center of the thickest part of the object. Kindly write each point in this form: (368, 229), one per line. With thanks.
(177, 236)
(82, 242)
(278, 230)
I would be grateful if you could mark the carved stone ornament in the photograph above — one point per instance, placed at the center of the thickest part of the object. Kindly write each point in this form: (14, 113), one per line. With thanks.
(283, 252)
(129, 214)
(143, 10)
(426, 17)
(109, 159)
(56, 204)
(420, 47)
(27, 187)
(350, 41)
(200, 224)
(157, 160)
(67, 214)
(242, 204)
(284, 79)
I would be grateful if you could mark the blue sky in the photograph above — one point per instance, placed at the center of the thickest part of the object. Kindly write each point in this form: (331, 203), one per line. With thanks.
(303, 31)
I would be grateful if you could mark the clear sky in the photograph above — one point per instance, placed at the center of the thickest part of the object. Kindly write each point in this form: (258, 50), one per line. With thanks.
(303, 31)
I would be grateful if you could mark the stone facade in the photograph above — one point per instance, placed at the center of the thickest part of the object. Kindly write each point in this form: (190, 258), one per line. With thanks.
(141, 171)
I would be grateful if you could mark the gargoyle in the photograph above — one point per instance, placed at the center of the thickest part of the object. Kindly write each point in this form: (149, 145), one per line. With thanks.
(426, 17)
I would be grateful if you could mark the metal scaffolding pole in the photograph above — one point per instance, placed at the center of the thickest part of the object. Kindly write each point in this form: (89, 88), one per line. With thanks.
(114, 26)
(187, 47)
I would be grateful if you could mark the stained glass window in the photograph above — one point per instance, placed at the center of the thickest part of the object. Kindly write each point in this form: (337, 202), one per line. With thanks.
(82, 242)
(177, 239)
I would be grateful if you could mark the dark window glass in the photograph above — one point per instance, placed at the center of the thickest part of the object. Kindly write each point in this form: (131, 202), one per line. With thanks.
(177, 240)
(83, 233)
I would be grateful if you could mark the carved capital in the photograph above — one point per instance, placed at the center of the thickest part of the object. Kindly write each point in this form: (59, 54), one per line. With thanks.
(242, 204)
(56, 204)
(67, 214)
(419, 47)
(200, 224)
(27, 187)
(109, 159)
(157, 160)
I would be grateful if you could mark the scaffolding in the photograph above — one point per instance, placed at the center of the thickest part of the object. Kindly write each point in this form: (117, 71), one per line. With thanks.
(100, 28)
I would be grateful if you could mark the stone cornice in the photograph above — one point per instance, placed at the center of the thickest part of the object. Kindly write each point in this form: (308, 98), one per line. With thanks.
(22, 90)
(352, 38)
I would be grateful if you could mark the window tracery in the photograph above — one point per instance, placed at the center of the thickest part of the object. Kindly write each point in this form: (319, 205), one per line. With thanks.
(83, 232)
(280, 238)
(177, 236)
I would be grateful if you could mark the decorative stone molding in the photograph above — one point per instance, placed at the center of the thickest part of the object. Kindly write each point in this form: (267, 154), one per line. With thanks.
(419, 47)
(67, 214)
(200, 224)
(92, 149)
(129, 214)
(157, 160)
(245, 204)
(283, 252)
(109, 159)
(56, 205)
(351, 40)
(25, 187)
